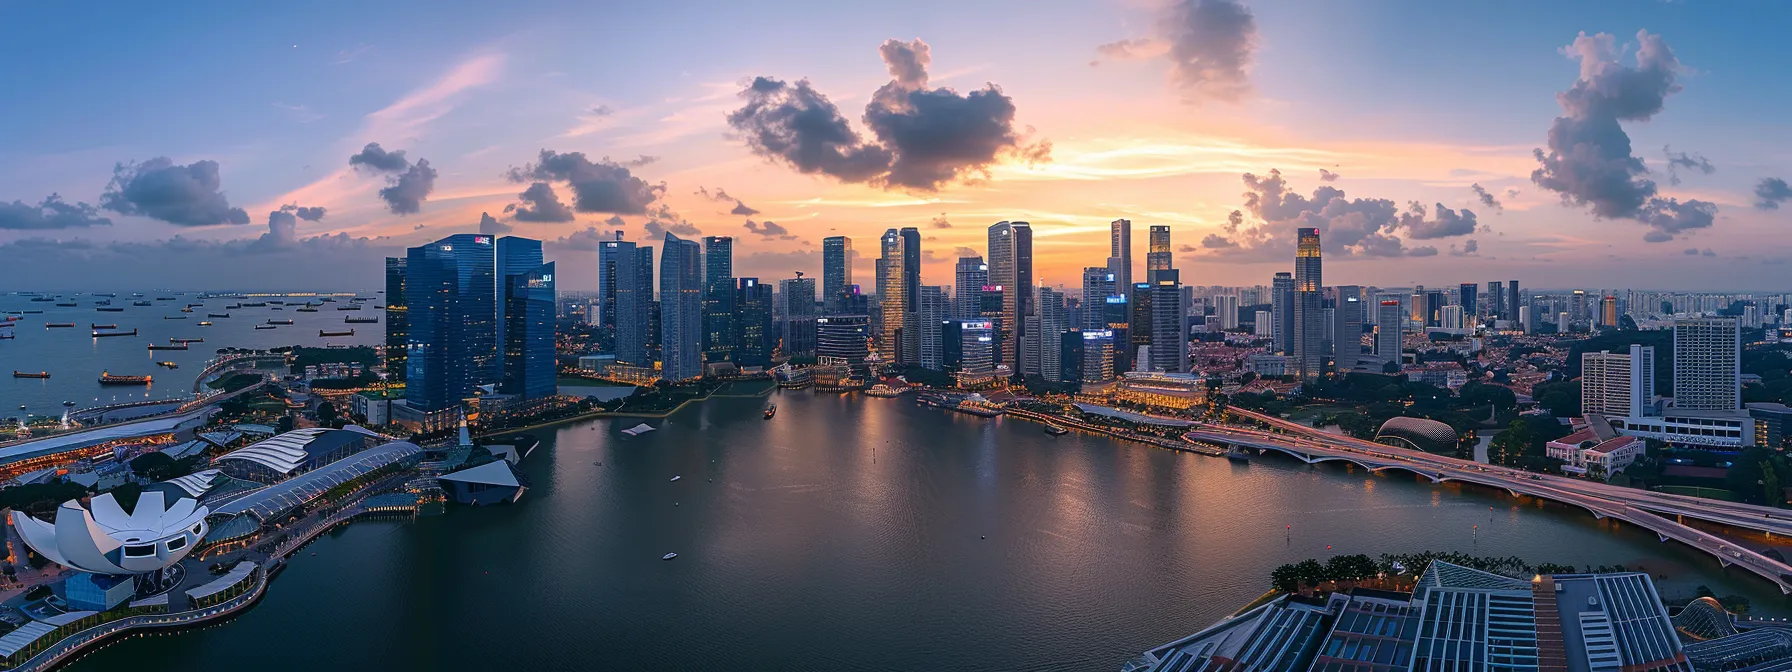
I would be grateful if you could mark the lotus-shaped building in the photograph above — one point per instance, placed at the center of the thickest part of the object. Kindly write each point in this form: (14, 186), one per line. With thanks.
(101, 538)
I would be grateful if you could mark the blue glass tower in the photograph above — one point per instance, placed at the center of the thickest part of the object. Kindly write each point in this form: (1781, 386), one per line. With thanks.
(450, 290)
(681, 309)
(719, 328)
(529, 333)
(516, 256)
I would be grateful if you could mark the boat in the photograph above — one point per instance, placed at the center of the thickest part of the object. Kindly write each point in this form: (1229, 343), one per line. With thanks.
(771, 411)
(184, 341)
(349, 306)
(279, 321)
(69, 404)
(170, 365)
(174, 317)
(360, 320)
(30, 374)
(102, 326)
(205, 324)
(638, 430)
(251, 304)
(326, 334)
(186, 310)
(307, 310)
(42, 299)
(100, 334)
(1055, 430)
(264, 326)
(677, 477)
(106, 378)
(31, 312)
(164, 298)
(154, 346)
(103, 302)
(276, 308)
(277, 303)
(69, 304)
(1237, 455)
(195, 305)
(58, 325)
(109, 309)
(668, 556)
(141, 304)
(217, 314)
(107, 294)
(233, 306)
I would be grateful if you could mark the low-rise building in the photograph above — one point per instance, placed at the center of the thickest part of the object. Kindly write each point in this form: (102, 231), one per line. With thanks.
(1175, 391)
(1267, 365)
(1596, 451)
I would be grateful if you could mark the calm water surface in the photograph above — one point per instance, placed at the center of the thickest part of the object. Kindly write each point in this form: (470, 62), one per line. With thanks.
(846, 534)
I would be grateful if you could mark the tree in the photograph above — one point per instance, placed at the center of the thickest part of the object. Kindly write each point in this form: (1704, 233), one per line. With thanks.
(1391, 368)
(285, 424)
(326, 413)
(1285, 578)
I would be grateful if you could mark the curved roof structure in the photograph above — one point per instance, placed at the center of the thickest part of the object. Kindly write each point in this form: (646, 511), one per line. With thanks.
(104, 539)
(272, 501)
(1427, 435)
(287, 452)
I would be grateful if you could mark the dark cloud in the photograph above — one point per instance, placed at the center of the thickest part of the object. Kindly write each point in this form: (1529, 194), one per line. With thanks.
(1590, 162)
(940, 222)
(1328, 176)
(721, 196)
(540, 204)
(377, 159)
(1692, 161)
(1233, 219)
(283, 225)
(407, 184)
(1470, 248)
(1215, 241)
(922, 139)
(768, 229)
(308, 214)
(490, 225)
(1211, 43)
(662, 220)
(642, 160)
(1447, 224)
(602, 111)
(1691, 252)
(52, 213)
(1511, 193)
(600, 186)
(1189, 248)
(1487, 199)
(180, 195)
(1421, 251)
(1126, 50)
(1771, 192)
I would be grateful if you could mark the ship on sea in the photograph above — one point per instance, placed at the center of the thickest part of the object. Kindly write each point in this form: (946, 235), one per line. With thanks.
(141, 304)
(217, 314)
(58, 325)
(30, 374)
(102, 326)
(110, 309)
(106, 378)
(102, 334)
(69, 304)
(264, 326)
(349, 306)
(326, 334)
(360, 320)
(279, 321)
(154, 346)
(307, 309)
(184, 341)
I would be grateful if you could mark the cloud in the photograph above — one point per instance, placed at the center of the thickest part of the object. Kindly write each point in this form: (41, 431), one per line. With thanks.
(180, 195)
(1132, 49)
(601, 111)
(490, 225)
(407, 184)
(336, 262)
(1691, 252)
(923, 139)
(1590, 162)
(1511, 193)
(963, 251)
(1678, 160)
(1470, 248)
(51, 213)
(307, 214)
(1487, 199)
(769, 230)
(662, 220)
(1188, 248)
(1212, 43)
(940, 222)
(1448, 223)
(721, 195)
(1215, 241)
(600, 186)
(540, 204)
(283, 227)
(1328, 176)
(1771, 192)
(583, 240)
(1422, 251)
(641, 160)
(1364, 227)
(1233, 219)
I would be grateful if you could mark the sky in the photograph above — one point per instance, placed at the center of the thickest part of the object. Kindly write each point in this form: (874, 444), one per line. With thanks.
(1639, 144)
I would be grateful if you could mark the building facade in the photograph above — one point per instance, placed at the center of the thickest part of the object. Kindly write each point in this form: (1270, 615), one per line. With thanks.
(719, 327)
(452, 349)
(1620, 384)
(836, 273)
(529, 366)
(1707, 364)
(1309, 322)
(397, 320)
(681, 309)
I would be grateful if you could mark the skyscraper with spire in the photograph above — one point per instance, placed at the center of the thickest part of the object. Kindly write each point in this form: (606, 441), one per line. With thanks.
(1309, 310)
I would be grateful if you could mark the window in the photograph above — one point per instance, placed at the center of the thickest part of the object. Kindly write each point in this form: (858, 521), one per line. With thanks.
(197, 528)
(177, 543)
(140, 551)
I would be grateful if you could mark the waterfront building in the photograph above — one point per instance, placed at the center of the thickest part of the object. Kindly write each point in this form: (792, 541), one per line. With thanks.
(284, 456)
(1618, 384)
(929, 314)
(1011, 272)
(529, 363)
(836, 274)
(753, 318)
(1161, 390)
(109, 547)
(1098, 287)
(1390, 325)
(450, 289)
(1707, 364)
(397, 320)
(1138, 326)
(719, 328)
(515, 255)
(843, 337)
(1169, 331)
(1225, 307)
(495, 482)
(971, 274)
(1309, 324)
(798, 328)
(1120, 253)
(1282, 304)
(1097, 366)
(1044, 352)
(636, 334)
(976, 348)
(892, 298)
(681, 309)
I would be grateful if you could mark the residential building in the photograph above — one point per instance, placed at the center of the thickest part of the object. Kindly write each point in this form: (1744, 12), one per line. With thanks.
(1707, 364)
(1264, 326)
(1618, 384)
(1225, 307)
(681, 309)
(610, 254)
(450, 289)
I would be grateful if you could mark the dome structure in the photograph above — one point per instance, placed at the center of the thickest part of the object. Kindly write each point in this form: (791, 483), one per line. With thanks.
(103, 539)
(1428, 435)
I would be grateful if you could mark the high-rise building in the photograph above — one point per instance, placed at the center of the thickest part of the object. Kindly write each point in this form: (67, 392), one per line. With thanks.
(842, 337)
(633, 321)
(1050, 316)
(930, 313)
(911, 267)
(529, 367)
(892, 299)
(1466, 296)
(976, 346)
(798, 296)
(1225, 307)
(1618, 383)
(681, 309)
(1514, 302)
(515, 255)
(1577, 308)
(1608, 313)
(1098, 358)
(1434, 308)
(1390, 323)
(1138, 324)
(1281, 299)
(1011, 272)
(1264, 325)
(1169, 329)
(1347, 326)
(971, 274)
(1098, 287)
(610, 255)
(1309, 313)
(1496, 302)
(1120, 253)
(1452, 317)
(753, 320)
(1157, 258)
(397, 321)
(1707, 364)
(719, 329)
(450, 289)
(836, 273)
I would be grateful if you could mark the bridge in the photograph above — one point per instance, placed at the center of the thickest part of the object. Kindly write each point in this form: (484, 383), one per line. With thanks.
(231, 362)
(1661, 513)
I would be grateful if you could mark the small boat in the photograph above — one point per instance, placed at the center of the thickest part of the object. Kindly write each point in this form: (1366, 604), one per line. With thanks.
(1237, 455)
(326, 334)
(31, 312)
(106, 378)
(110, 309)
(668, 556)
(677, 477)
(195, 305)
(276, 308)
(351, 306)
(233, 306)
(101, 334)
(169, 365)
(69, 404)
(186, 310)
(307, 310)
(67, 304)
(205, 324)
(58, 325)
(42, 299)
(102, 326)
(181, 346)
(1055, 430)
(31, 374)
(771, 411)
(279, 321)
(164, 298)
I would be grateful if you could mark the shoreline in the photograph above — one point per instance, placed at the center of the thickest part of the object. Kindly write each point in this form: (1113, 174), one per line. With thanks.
(661, 415)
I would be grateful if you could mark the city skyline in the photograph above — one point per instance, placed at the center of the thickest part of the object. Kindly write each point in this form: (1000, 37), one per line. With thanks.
(305, 168)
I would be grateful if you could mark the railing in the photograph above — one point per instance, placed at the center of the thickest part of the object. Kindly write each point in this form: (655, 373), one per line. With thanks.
(59, 652)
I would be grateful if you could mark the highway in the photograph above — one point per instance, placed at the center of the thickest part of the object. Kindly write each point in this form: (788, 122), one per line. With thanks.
(1643, 508)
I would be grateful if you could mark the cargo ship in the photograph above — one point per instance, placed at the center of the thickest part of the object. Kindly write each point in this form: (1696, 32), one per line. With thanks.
(58, 325)
(154, 346)
(217, 314)
(326, 334)
(42, 299)
(174, 317)
(307, 309)
(233, 306)
(141, 304)
(203, 323)
(106, 378)
(361, 320)
(264, 326)
(69, 304)
(97, 327)
(279, 321)
(351, 306)
(98, 334)
(184, 341)
(30, 374)
(252, 304)
(110, 309)
(170, 365)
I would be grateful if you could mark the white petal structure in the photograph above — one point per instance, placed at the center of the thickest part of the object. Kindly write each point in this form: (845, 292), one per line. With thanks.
(103, 539)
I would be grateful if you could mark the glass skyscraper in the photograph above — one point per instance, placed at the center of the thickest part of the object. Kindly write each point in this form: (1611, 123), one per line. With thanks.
(836, 273)
(452, 348)
(681, 309)
(529, 369)
(1309, 311)
(719, 330)
(971, 275)
(516, 255)
(397, 324)
(756, 338)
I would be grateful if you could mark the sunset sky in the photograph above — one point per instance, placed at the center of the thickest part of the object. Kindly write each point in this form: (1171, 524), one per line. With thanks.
(174, 138)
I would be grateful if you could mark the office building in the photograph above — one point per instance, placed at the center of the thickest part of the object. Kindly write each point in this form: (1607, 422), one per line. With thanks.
(1309, 325)
(911, 267)
(1011, 272)
(719, 328)
(450, 289)
(1282, 304)
(1120, 253)
(1514, 302)
(971, 274)
(633, 321)
(843, 337)
(1434, 308)
(1050, 317)
(1496, 301)
(836, 274)
(930, 313)
(1225, 307)
(397, 320)
(973, 346)
(1169, 331)
(892, 298)
(515, 255)
(1524, 319)
(798, 333)
(1098, 287)
(609, 257)
(1577, 309)
(1618, 383)
(1157, 256)
(1608, 312)
(1390, 326)
(756, 336)
(1707, 364)
(529, 365)
(1347, 326)
(1138, 324)
(1466, 296)
(681, 309)
(1097, 370)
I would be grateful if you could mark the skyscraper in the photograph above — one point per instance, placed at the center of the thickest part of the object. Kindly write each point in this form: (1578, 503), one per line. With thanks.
(1514, 302)
(1608, 313)
(1225, 307)
(516, 255)
(911, 267)
(1098, 286)
(798, 295)
(609, 258)
(1044, 353)
(1496, 301)
(1158, 256)
(1466, 297)
(450, 289)
(1390, 323)
(634, 302)
(1169, 331)
(1120, 253)
(1309, 313)
(529, 369)
(930, 313)
(836, 273)
(1347, 326)
(1138, 324)
(971, 274)
(1707, 364)
(842, 337)
(1618, 383)
(753, 321)
(1011, 270)
(1281, 298)
(719, 330)
(1098, 358)
(891, 295)
(397, 321)
(681, 309)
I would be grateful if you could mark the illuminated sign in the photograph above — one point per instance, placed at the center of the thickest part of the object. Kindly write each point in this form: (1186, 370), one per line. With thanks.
(482, 240)
(1110, 277)
(1116, 299)
(1097, 335)
(992, 288)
